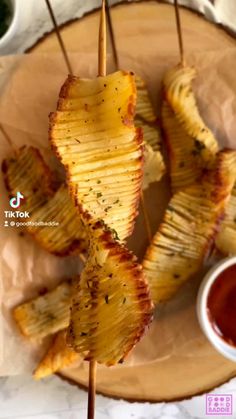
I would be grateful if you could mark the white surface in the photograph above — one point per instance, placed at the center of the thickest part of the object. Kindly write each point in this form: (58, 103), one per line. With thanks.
(21, 397)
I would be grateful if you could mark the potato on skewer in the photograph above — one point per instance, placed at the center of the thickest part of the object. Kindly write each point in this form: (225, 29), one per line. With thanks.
(191, 145)
(190, 225)
(93, 134)
(111, 304)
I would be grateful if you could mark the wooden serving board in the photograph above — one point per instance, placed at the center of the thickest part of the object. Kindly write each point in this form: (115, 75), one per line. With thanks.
(180, 363)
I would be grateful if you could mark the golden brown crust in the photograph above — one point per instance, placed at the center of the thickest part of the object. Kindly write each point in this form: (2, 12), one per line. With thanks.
(191, 223)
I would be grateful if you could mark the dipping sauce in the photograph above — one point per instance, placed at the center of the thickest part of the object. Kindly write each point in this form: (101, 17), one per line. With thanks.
(221, 305)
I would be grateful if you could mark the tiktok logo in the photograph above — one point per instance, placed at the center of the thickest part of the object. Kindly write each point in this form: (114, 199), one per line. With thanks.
(15, 201)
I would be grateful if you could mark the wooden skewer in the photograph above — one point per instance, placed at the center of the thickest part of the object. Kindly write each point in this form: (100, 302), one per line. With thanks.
(112, 35)
(102, 69)
(60, 40)
(102, 43)
(116, 61)
(179, 31)
(92, 389)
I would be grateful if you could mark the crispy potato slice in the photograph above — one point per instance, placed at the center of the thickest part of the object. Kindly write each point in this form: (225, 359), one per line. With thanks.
(46, 314)
(28, 173)
(226, 238)
(67, 237)
(154, 166)
(190, 143)
(189, 227)
(58, 356)
(111, 303)
(94, 136)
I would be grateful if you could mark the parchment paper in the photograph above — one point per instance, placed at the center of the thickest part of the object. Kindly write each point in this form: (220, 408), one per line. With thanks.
(29, 87)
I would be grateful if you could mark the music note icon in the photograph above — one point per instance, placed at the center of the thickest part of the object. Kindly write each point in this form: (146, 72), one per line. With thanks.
(15, 201)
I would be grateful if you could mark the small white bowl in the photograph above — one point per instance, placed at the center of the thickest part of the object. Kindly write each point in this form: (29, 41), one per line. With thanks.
(223, 347)
(13, 26)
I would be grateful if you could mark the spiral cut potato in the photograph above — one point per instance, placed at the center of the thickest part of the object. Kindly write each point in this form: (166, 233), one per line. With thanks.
(154, 166)
(111, 305)
(191, 145)
(27, 173)
(68, 236)
(226, 238)
(46, 314)
(93, 134)
(58, 356)
(190, 225)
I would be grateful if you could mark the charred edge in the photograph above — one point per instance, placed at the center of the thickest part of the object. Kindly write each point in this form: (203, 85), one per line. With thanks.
(70, 81)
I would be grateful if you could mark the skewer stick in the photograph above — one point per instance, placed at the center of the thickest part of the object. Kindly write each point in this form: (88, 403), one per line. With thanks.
(102, 67)
(102, 43)
(112, 35)
(179, 31)
(60, 40)
(116, 61)
(92, 389)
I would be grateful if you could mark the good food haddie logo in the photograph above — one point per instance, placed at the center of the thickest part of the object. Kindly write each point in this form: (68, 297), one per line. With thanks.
(219, 405)
(16, 200)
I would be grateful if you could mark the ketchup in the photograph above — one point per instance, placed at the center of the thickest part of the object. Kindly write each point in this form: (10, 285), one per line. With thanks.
(221, 305)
